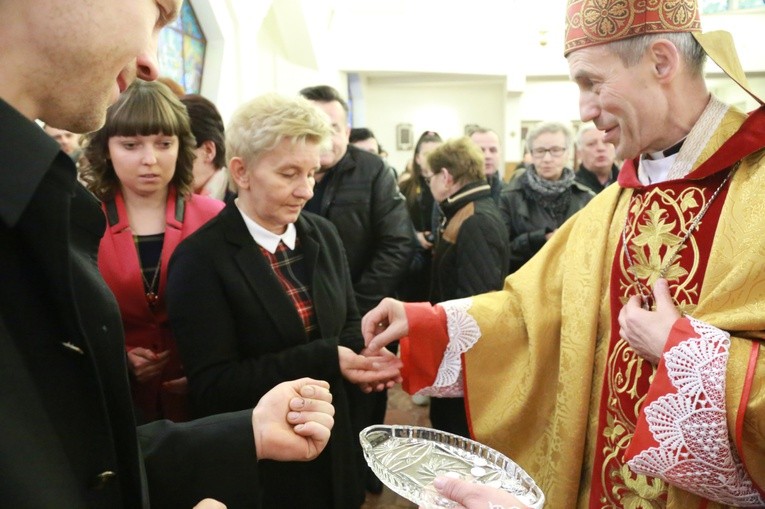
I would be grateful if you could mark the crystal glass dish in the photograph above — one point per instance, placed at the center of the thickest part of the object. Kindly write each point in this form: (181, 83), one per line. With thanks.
(408, 458)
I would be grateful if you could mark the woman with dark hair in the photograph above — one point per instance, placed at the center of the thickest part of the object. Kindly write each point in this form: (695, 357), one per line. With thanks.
(421, 206)
(210, 174)
(140, 166)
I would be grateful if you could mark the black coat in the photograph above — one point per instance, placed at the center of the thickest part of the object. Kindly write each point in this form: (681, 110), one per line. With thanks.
(67, 433)
(472, 254)
(361, 198)
(528, 222)
(470, 258)
(239, 334)
(589, 179)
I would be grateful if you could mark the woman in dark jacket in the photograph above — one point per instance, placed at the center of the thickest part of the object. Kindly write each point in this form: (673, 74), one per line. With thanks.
(263, 294)
(472, 251)
(539, 200)
(421, 207)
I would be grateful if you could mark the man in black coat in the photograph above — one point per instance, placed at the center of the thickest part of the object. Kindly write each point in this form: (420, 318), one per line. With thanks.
(356, 192)
(488, 141)
(67, 432)
(596, 158)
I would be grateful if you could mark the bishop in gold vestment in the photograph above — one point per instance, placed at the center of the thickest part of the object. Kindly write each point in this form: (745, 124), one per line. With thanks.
(549, 381)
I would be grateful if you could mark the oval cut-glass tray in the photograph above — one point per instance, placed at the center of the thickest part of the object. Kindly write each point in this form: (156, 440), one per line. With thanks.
(408, 458)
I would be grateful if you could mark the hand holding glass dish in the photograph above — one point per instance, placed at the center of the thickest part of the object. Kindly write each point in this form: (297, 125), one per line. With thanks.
(408, 459)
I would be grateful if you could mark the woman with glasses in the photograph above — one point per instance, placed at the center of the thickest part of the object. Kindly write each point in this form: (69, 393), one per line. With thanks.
(536, 203)
(471, 253)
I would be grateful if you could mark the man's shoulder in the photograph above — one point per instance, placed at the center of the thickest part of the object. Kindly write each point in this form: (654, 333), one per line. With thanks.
(582, 188)
(364, 160)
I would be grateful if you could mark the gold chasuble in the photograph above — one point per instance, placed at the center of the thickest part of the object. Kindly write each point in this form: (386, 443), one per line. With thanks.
(549, 382)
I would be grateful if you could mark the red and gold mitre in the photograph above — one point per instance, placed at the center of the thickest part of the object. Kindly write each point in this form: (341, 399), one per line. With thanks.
(591, 22)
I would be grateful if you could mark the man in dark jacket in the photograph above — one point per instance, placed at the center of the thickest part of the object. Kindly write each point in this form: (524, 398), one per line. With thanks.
(67, 433)
(356, 192)
(488, 141)
(596, 158)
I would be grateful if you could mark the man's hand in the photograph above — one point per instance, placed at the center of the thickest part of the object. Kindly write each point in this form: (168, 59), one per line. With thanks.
(475, 496)
(146, 364)
(647, 331)
(177, 385)
(372, 372)
(292, 421)
(384, 324)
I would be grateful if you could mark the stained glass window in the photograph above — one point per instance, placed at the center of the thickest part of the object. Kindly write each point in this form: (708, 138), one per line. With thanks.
(181, 50)
(714, 6)
(750, 4)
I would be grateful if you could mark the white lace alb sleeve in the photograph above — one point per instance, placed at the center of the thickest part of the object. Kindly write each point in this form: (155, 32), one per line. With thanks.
(695, 452)
(463, 334)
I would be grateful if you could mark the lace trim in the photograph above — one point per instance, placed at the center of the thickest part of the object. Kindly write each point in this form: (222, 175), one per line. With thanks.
(694, 451)
(698, 138)
(463, 333)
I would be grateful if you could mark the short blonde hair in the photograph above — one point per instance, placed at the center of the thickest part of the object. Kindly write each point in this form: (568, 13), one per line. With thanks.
(259, 125)
(461, 157)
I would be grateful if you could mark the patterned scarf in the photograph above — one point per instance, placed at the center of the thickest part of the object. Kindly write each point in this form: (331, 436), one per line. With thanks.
(552, 195)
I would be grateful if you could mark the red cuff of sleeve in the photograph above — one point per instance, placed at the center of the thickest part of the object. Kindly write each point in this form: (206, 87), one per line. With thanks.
(661, 385)
(423, 349)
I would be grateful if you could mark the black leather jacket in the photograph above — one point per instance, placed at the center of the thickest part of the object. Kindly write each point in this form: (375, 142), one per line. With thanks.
(528, 222)
(362, 200)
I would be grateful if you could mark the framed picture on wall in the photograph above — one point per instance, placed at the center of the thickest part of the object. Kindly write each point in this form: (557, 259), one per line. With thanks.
(404, 137)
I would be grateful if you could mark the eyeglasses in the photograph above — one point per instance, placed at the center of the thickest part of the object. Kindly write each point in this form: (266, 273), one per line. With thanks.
(554, 151)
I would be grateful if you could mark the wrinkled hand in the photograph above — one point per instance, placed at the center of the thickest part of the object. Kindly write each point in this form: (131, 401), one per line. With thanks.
(647, 331)
(145, 364)
(384, 324)
(476, 496)
(372, 372)
(292, 421)
(210, 503)
(177, 385)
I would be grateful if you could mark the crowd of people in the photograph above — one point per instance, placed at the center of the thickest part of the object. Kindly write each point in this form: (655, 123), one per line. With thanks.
(182, 299)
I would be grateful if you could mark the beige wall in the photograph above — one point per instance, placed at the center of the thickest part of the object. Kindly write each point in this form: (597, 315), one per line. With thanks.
(436, 106)
(454, 72)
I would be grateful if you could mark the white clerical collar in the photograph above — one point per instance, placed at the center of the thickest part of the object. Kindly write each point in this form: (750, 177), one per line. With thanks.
(267, 239)
(681, 163)
(653, 171)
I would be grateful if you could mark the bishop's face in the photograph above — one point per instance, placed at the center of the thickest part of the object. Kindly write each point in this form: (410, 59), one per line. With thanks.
(625, 102)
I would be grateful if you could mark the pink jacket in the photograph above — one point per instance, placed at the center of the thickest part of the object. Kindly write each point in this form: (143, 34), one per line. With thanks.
(119, 265)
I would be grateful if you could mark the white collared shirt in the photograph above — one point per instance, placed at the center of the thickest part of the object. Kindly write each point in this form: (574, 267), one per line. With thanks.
(267, 239)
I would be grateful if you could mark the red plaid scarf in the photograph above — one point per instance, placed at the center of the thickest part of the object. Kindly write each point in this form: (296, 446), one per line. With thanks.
(289, 268)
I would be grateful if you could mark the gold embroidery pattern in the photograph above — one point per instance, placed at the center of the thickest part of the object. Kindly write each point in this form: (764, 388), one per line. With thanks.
(678, 14)
(590, 22)
(602, 19)
(657, 222)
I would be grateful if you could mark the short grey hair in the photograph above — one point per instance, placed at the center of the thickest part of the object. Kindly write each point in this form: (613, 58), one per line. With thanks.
(632, 49)
(259, 125)
(584, 128)
(548, 127)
